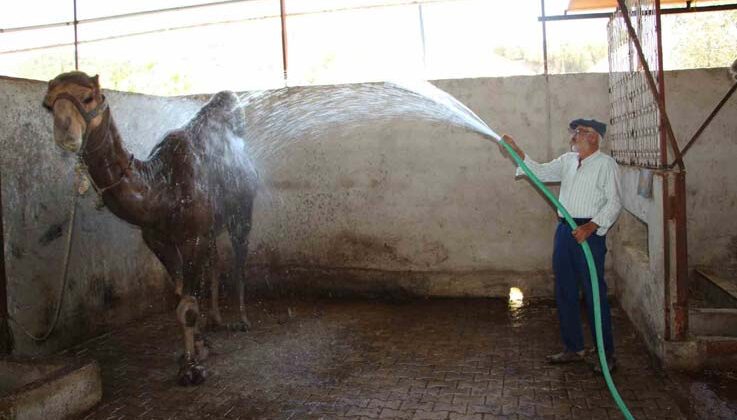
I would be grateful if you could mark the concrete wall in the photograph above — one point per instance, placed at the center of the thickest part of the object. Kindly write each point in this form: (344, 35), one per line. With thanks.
(711, 181)
(401, 207)
(413, 207)
(637, 255)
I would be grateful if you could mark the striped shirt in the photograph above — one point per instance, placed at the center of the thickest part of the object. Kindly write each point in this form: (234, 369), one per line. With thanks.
(591, 191)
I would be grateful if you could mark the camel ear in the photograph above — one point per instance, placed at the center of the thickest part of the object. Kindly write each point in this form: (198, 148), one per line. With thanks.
(96, 80)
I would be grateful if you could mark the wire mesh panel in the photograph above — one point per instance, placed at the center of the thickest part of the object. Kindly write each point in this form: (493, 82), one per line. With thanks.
(634, 131)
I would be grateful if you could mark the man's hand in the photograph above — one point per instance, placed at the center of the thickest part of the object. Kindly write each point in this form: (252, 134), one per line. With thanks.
(510, 141)
(583, 232)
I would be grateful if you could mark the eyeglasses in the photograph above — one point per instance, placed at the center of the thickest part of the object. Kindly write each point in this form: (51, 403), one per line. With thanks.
(579, 131)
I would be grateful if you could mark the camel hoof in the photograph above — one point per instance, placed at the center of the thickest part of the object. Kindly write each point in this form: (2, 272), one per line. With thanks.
(191, 374)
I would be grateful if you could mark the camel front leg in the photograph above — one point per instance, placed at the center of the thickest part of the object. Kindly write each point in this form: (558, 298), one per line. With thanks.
(215, 306)
(240, 252)
(190, 371)
(245, 323)
(214, 272)
(202, 346)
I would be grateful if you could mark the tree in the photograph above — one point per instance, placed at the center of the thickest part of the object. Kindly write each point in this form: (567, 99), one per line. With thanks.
(703, 40)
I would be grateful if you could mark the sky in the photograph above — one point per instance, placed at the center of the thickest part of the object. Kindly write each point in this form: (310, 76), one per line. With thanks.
(514, 23)
(459, 37)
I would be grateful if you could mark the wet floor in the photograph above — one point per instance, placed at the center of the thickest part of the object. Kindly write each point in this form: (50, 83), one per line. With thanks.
(429, 359)
(709, 394)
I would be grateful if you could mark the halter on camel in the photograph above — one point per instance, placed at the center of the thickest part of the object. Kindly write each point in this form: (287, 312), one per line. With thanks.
(88, 117)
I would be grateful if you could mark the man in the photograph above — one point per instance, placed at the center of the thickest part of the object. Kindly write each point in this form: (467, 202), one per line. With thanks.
(589, 190)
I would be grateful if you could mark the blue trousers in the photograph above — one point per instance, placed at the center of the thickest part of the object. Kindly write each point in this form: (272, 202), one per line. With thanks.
(571, 272)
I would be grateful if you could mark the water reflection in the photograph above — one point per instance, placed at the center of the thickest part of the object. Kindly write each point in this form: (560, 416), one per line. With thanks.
(516, 298)
(516, 307)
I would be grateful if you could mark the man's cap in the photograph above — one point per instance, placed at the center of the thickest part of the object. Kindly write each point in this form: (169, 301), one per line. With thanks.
(598, 126)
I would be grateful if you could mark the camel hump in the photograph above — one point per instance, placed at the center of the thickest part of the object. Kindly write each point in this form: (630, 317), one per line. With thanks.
(224, 99)
(223, 109)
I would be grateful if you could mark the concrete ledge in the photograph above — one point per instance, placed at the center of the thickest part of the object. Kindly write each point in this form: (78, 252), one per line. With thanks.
(700, 352)
(683, 355)
(713, 321)
(718, 352)
(718, 290)
(55, 389)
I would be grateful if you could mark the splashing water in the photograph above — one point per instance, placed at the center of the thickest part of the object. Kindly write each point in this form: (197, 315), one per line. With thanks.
(280, 117)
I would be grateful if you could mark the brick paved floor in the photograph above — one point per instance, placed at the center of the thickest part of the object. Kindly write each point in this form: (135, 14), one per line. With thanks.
(429, 359)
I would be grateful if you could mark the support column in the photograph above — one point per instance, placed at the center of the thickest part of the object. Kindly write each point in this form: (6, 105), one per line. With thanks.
(675, 255)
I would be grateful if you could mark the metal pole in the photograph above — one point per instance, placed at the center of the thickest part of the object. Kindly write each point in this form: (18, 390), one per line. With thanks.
(661, 86)
(76, 43)
(284, 38)
(667, 212)
(422, 37)
(669, 11)
(545, 39)
(680, 321)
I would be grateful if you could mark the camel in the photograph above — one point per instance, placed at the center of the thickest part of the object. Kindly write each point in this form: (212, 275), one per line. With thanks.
(196, 183)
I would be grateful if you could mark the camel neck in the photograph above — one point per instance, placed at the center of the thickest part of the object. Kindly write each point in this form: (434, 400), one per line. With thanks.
(114, 171)
(105, 155)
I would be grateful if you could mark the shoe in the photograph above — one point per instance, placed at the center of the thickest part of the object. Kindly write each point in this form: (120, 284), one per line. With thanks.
(610, 361)
(566, 357)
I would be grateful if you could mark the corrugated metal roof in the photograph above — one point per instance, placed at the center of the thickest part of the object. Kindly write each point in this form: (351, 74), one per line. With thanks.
(581, 5)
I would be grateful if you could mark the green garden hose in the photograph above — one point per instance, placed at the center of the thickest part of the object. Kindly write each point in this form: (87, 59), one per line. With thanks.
(592, 274)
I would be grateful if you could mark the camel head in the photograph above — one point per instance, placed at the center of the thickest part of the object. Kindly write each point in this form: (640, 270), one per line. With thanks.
(77, 104)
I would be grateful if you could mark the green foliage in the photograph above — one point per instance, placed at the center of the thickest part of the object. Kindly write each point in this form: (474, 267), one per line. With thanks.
(576, 58)
(147, 77)
(45, 66)
(564, 58)
(704, 40)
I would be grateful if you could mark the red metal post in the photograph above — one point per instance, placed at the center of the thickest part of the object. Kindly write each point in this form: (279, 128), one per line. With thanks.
(661, 87)
(667, 211)
(680, 321)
